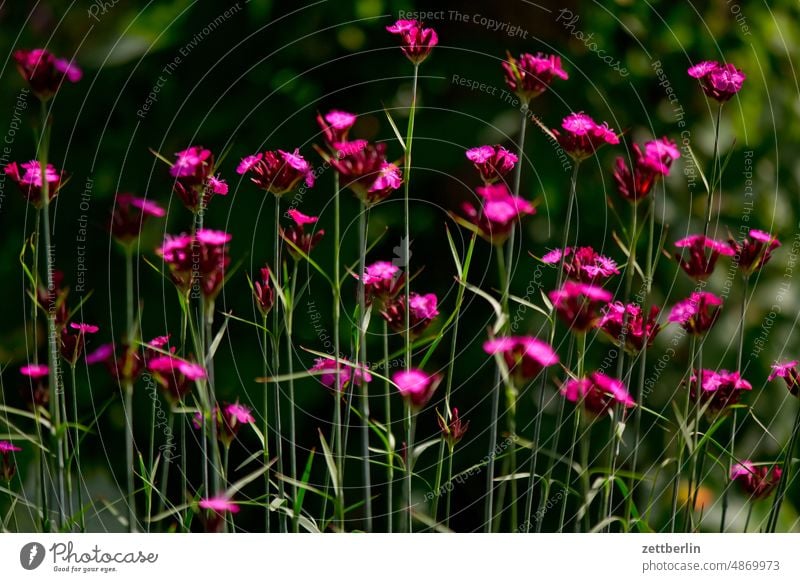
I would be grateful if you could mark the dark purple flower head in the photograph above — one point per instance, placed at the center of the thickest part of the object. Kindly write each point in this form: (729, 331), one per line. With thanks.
(635, 182)
(28, 176)
(531, 75)
(757, 481)
(197, 262)
(453, 431)
(626, 323)
(382, 281)
(335, 126)
(525, 356)
(130, 214)
(8, 467)
(416, 386)
(175, 375)
(582, 264)
(597, 393)
(754, 251)
(498, 212)
(277, 171)
(73, 337)
(582, 136)
(417, 41)
(347, 372)
(424, 309)
(297, 235)
(578, 304)
(492, 162)
(718, 390)
(44, 72)
(703, 253)
(718, 81)
(263, 292)
(788, 371)
(697, 313)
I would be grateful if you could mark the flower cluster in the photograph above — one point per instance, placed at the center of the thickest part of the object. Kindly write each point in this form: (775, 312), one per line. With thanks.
(194, 178)
(498, 212)
(703, 253)
(175, 375)
(697, 313)
(635, 181)
(423, 310)
(719, 390)
(417, 41)
(453, 431)
(277, 171)
(382, 282)
(583, 136)
(326, 367)
(627, 323)
(129, 215)
(582, 264)
(301, 242)
(492, 162)
(718, 81)
(28, 176)
(197, 263)
(525, 356)
(757, 481)
(7, 465)
(45, 72)
(229, 418)
(597, 393)
(578, 304)
(788, 371)
(416, 387)
(754, 251)
(531, 75)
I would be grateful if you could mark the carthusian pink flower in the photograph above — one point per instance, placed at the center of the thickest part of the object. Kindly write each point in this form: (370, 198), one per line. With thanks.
(37, 390)
(417, 41)
(8, 467)
(35, 371)
(416, 386)
(578, 304)
(197, 263)
(718, 389)
(194, 179)
(296, 234)
(498, 212)
(28, 176)
(277, 171)
(424, 309)
(697, 313)
(757, 481)
(597, 393)
(582, 264)
(635, 182)
(453, 431)
(44, 72)
(175, 375)
(492, 162)
(73, 336)
(263, 292)
(531, 75)
(364, 169)
(703, 253)
(347, 372)
(130, 214)
(216, 507)
(754, 250)
(382, 281)
(718, 81)
(525, 356)
(627, 322)
(229, 419)
(582, 136)
(335, 126)
(788, 371)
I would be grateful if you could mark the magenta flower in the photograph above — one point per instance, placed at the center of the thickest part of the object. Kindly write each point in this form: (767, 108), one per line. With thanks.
(197, 263)
(382, 281)
(194, 178)
(229, 419)
(626, 321)
(417, 41)
(703, 254)
(37, 390)
(787, 371)
(263, 292)
(757, 481)
(29, 180)
(525, 356)
(192, 163)
(277, 171)
(364, 169)
(216, 507)
(8, 467)
(582, 264)
(754, 251)
(492, 162)
(498, 212)
(335, 126)
(635, 183)
(175, 375)
(718, 81)
(597, 393)
(531, 75)
(424, 309)
(697, 313)
(582, 136)
(416, 386)
(296, 234)
(35, 371)
(453, 431)
(718, 390)
(578, 304)
(129, 215)
(73, 338)
(44, 72)
(126, 367)
(347, 372)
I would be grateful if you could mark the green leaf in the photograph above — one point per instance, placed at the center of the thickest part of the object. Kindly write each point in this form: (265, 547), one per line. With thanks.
(394, 128)
(332, 470)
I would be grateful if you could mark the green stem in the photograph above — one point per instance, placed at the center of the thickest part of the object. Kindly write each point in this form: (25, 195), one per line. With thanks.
(337, 299)
(777, 501)
(265, 366)
(387, 406)
(411, 418)
(276, 331)
(447, 491)
(714, 177)
(76, 446)
(407, 220)
(290, 365)
(695, 454)
(681, 445)
(363, 321)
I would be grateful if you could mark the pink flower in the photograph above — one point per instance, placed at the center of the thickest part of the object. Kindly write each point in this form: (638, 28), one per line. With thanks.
(72, 343)
(525, 356)
(597, 393)
(277, 171)
(492, 162)
(416, 386)
(382, 281)
(263, 292)
(44, 72)
(498, 212)
(787, 371)
(175, 375)
(634, 184)
(579, 304)
(627, 323)
(229, 419)
(130, 213)
(219, 504)
(130, 364)
(195, 181)
(453, 431)
(700, 264)
(335, 126)
(364, 169)
(531, 75)
(585, 264)
(347, 372)
(424, 310)
(297, 235)
(697, 313)
(35, 371)
(757, 481)
(217, 185)
(754, 251)
(718, 81)
(718, 390)
(582, 136)
(199, 262)
(417, 41)
(193, 162)
(8, 447)
(30, 180)
(8, 467)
